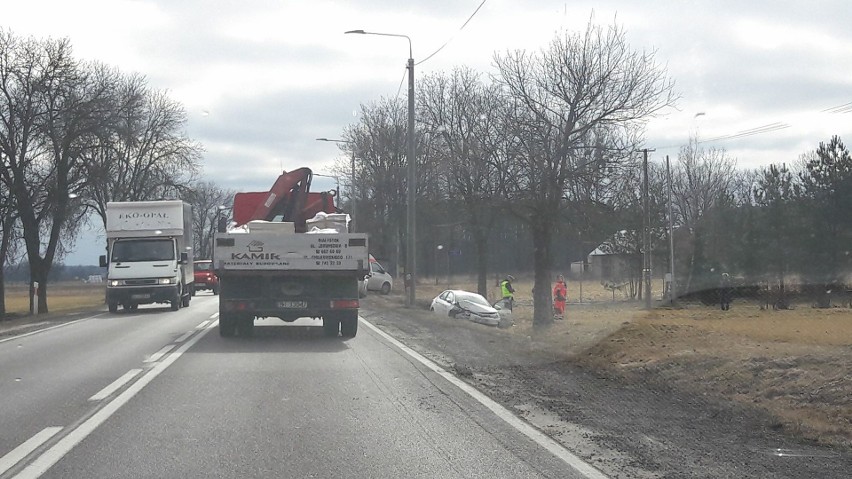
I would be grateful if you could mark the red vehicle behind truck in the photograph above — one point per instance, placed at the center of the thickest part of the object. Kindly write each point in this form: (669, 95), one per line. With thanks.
(205, 276)
(288, 254)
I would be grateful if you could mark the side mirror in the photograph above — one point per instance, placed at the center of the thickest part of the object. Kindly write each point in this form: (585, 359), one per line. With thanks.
(103, 261)
(184, 258)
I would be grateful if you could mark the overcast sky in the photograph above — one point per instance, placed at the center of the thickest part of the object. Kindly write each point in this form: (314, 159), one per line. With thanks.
(261, 80)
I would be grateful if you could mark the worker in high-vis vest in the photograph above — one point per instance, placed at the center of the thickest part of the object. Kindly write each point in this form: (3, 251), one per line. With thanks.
(560, 296)
(508, 292)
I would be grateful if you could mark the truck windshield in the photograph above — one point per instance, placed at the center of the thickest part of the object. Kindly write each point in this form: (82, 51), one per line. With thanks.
(143, 250)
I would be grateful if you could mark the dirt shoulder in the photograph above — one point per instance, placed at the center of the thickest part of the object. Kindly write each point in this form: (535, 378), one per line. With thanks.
(571, 382)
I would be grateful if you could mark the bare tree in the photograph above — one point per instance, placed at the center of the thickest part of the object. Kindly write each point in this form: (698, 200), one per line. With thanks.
(147, 155)
(50, 104)
(9, 234)
(379, 139)
(701, 178)
(463, 113)
(208, 201)
(577, 104)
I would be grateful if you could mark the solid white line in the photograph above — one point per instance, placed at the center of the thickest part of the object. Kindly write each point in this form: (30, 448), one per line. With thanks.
(69, 323)
(115, 385)
(63, 446)
(15, 455)
(203, 324)
(214, 315)
(526, 429)
(159, 354)
(185, 335)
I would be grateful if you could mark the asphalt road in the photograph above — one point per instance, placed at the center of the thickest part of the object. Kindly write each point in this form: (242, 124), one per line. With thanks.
(159, 394)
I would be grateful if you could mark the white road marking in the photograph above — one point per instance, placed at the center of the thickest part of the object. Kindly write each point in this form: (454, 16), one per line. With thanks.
(159, 354)
(524, 428)
(185, 335)
(203, 324)
(115, 385)
(15, 455)
(214, 315)
(69, 323)
(63, 446)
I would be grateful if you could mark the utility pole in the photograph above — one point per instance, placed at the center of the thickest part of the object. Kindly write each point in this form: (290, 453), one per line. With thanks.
(671, 237)
(411, 248)
(646, 236)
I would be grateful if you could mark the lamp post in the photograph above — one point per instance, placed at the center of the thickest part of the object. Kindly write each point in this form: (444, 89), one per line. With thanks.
(410, 263)
(352, 179)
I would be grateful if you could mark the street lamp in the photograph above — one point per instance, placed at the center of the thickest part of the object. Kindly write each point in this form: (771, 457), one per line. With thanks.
(410, 263)
(352, 179)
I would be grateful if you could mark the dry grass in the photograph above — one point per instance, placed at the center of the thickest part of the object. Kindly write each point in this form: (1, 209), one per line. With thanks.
(795, 364)
(61, 297)
(827, 327)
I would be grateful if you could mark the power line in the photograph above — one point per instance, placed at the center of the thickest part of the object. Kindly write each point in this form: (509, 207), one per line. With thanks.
(750, 132)
(844, 108)
(452, 37)
(399, 90)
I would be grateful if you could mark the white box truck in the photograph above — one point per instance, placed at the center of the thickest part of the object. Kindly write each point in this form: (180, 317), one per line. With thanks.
(149, 254)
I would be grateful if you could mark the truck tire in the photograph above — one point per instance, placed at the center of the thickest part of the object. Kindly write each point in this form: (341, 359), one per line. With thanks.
(185, 301)
(349, 325)
(330, 325)
(245, 327)
(227, 326)
(113, 306)
(176, 299)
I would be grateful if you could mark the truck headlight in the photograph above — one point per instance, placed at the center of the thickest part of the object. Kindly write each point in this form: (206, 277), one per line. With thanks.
(116, 282)
(166, 281)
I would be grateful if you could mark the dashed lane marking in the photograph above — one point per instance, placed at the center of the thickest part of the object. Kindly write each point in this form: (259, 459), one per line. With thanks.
(115, 385)
(15, 455)
(64, 445)
(184, 336)
(159, 354)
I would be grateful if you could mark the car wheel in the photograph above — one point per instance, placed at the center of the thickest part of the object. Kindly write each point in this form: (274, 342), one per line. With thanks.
(330, 326)
(386, 287)
(349, 325)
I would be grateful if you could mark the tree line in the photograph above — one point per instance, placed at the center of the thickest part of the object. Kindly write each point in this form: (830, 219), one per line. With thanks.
(76, 135)
(533, 165)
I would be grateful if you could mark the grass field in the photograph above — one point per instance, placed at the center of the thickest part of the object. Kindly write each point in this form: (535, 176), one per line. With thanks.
(796, 364)
(61, 297)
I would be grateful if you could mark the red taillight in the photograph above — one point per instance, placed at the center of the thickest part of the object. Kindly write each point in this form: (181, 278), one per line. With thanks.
(344, 304)
(237, 305)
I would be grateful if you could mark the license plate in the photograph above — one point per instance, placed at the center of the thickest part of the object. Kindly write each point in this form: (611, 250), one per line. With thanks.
(293, 304)
(140, 296)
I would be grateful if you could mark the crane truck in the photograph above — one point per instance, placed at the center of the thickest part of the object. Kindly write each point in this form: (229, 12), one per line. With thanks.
(288, 253)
